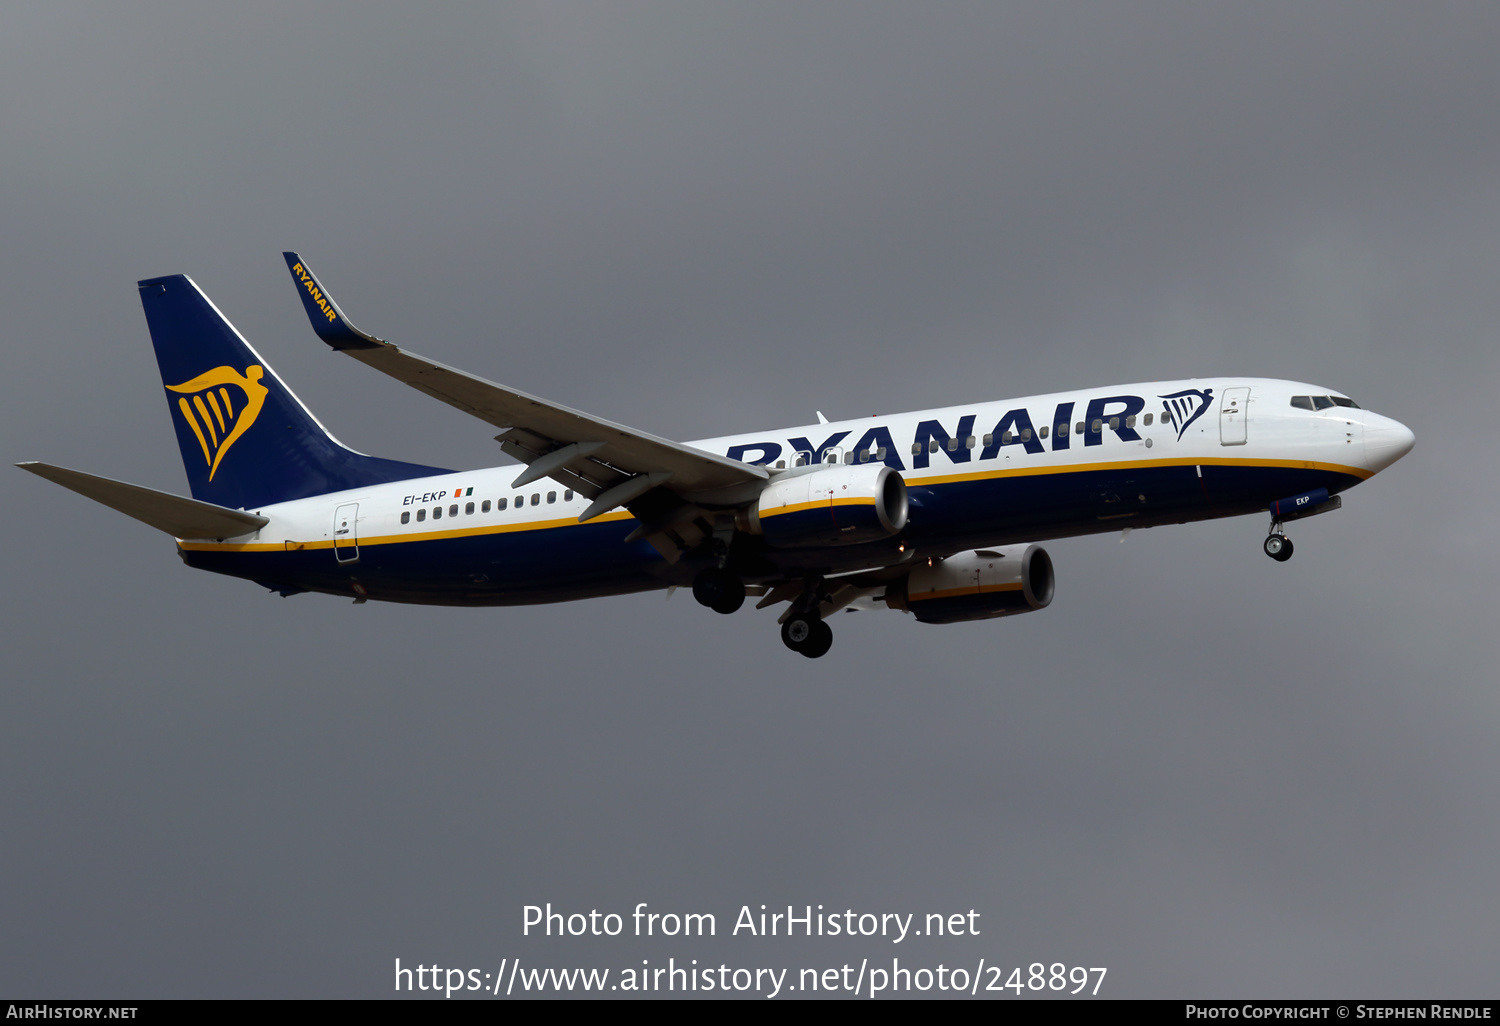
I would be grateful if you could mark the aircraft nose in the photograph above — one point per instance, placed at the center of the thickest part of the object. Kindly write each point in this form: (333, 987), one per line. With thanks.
(1386, 441)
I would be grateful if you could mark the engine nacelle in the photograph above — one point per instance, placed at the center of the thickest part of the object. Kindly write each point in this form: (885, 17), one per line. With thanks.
(977, 585)
(835, 505)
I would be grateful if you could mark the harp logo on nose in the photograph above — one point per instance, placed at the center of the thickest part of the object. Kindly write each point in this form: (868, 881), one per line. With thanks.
(220, 405)
(1182, 408)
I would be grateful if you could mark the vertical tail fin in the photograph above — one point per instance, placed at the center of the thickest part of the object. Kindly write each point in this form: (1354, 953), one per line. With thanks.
(246, 440)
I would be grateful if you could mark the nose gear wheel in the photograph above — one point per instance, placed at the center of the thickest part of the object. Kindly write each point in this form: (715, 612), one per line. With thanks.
(1277, 545)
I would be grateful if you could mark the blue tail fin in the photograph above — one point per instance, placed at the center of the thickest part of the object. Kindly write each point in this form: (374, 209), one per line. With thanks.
(246, 440)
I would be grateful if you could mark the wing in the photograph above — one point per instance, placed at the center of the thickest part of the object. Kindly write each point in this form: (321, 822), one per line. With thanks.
(179, 517)
(607, 462)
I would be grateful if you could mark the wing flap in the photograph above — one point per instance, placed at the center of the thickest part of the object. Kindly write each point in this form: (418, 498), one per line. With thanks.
(180, 517)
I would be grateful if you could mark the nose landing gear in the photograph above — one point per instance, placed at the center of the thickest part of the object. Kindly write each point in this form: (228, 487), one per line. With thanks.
(1277, 545)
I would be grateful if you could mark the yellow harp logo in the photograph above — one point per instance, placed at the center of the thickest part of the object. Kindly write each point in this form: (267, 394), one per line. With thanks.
(221, 416)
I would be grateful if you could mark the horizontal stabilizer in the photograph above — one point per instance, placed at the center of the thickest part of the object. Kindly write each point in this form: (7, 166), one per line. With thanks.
(179, 517)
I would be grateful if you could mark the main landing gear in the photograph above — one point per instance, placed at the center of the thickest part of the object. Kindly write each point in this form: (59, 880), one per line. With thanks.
(803, 631)
(719, 589)
(807, 634)
(1278, 546)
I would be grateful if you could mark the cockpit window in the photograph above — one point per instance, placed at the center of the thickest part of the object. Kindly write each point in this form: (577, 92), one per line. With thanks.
(1322, 402)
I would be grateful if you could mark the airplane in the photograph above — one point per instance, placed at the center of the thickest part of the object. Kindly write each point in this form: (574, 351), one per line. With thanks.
(937, 513)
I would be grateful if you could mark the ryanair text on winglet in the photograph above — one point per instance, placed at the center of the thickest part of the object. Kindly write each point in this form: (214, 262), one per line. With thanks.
(312, 290)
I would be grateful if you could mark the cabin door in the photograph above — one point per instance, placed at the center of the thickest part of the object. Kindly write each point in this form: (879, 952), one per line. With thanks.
(346, 533)
(1234, 406)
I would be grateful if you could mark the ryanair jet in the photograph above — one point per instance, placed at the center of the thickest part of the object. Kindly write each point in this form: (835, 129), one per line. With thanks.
(935, 513)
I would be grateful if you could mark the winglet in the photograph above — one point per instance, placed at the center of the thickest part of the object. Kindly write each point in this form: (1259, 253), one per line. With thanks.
(327, 319)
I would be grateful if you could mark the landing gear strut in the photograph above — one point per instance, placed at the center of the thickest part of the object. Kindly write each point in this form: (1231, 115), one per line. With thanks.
(1278, 546)
(807, 634)
(719, 589)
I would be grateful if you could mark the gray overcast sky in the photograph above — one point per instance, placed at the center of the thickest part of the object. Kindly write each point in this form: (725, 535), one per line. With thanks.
(1213, 774)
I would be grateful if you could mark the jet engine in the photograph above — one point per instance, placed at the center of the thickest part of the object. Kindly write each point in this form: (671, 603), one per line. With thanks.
(841, 504)
(976, 585)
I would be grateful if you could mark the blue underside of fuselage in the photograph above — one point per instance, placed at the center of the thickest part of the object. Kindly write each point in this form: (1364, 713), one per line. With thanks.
(556, 564)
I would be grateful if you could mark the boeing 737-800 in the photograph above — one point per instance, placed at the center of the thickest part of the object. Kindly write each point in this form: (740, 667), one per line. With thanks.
(937, 513)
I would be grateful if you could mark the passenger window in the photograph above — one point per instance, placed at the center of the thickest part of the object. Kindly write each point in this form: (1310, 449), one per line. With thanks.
(1026, 434)
(849, 457)
(1005, 437)
(781, 464)
(406, 517)
(916, 447)
(864, 455)
(1322, 402)
(453, 510)
(551, 497)
(536, 498)
(1043, 431)
(501, 503)
(989, 440)
(880, 453)
(932, 445)
(952, 444)
(1098, 425)
(437, 512)
(468, 508)
(969, 441)
(1078, 428)
(421, 515)
(485, 506)
(1062, 431)
(568, 495)
(520, 501)
(1114, 423)
(1148, 420)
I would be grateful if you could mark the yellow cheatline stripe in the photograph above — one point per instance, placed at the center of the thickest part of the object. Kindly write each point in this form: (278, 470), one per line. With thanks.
(951, 592)
(397, 539)
(818, 504)
(1185, 461)
(187, 411)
